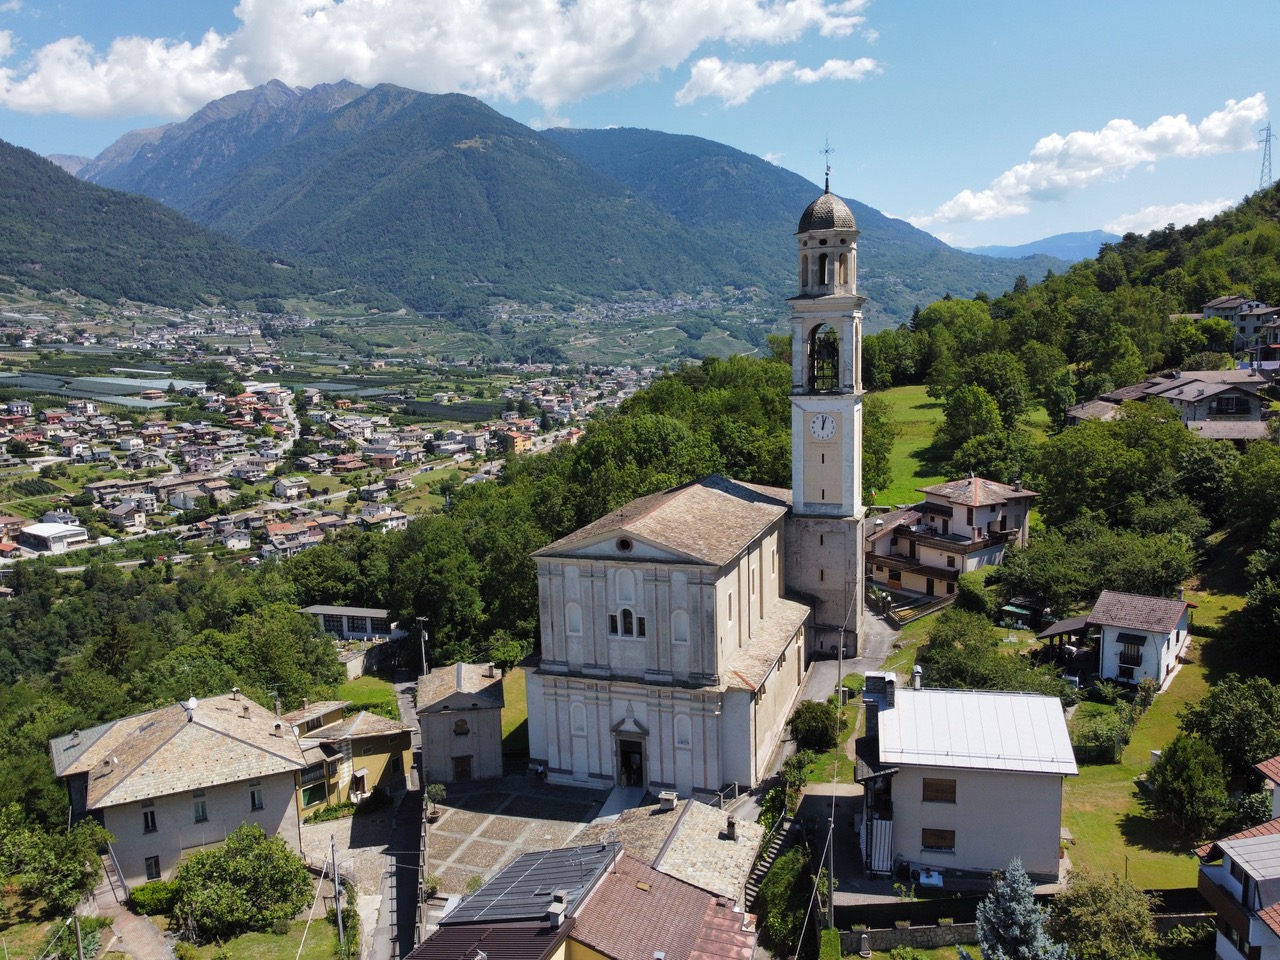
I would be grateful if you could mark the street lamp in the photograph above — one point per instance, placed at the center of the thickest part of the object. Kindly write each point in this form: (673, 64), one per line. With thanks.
(422, 641)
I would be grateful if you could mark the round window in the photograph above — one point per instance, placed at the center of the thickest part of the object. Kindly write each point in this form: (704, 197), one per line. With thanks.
(624, 544)
(822, 242)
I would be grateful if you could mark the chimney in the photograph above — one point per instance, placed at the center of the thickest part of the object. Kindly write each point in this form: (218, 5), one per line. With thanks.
(304, 703)
(277, 708)
(917, 675)
(75, 737)
(731, 829)
(489, 671)
(1017, 486)
(245, 711)
(277, 729)
(1182, 594)
(555, 914)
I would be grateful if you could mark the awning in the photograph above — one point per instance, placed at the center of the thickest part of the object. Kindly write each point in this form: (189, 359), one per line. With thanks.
(362, 772)
(1070, 625)
(1137, 639)
(1020, 611)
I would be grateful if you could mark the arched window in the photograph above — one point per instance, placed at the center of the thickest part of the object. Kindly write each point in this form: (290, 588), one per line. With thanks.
(822, 269)
(628, 622)
(577, 718)
(804, 271)
(684, 731)
(824, 359)
(625, 585)
(461, 728)
(843, 269)
(680, 626)
(573, 619)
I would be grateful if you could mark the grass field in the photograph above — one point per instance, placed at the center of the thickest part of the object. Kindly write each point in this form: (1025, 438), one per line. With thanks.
(515, 713)
(373, 694)
(321, 944)
(916, 415)
(1101, 807)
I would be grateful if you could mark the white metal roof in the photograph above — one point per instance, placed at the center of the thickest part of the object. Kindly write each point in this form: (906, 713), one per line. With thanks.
(1260, 856)
(977, 729)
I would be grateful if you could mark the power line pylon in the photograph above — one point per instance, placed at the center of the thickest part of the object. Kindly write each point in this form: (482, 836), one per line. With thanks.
(1265, 139)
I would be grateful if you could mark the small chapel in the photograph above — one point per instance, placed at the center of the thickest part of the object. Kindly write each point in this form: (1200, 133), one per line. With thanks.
(676, 630)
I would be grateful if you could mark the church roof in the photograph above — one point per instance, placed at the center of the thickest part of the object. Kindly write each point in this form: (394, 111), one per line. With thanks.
(709, 520)
(828, 212)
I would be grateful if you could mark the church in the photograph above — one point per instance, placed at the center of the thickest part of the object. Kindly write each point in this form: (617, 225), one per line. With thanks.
(676, 631)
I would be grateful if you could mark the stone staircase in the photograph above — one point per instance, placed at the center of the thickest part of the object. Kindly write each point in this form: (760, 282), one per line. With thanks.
(782, 838)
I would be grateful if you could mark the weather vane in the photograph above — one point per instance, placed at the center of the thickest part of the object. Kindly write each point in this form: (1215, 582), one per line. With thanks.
(826, 152)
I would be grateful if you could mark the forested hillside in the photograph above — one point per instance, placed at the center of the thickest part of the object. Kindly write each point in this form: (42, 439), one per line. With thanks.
(450, 204)
(59, 232)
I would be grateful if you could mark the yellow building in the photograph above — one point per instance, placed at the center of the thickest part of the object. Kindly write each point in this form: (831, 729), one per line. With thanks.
(348, 757)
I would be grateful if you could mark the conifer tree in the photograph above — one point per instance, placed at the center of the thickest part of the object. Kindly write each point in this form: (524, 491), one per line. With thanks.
(1011, 925)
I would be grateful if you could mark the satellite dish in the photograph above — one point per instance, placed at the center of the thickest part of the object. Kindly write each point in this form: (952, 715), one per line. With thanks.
(191, 704)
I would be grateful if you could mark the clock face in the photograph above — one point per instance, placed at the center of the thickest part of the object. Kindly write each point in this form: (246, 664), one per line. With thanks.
(822, 426)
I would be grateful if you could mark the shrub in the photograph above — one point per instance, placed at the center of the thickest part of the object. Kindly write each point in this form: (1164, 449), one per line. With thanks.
(829, 945)
(1104, 691)
(815, 725)
(793, 773)
(784, 895)
(158, 896)
(331, 811)
(474, 883)
(972, 595)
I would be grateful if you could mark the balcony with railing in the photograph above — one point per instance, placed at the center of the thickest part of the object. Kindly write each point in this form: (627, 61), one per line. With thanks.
(1227, 904)
(929, 536)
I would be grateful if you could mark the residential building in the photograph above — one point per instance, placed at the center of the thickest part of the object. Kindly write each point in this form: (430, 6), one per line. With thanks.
(934, 766)
(11, 527)
(960, 526)
(460, 716)
(1140, 637)
(291, 488)
(348, 757)
(180, 778)
(1240, 878)
(127, 516)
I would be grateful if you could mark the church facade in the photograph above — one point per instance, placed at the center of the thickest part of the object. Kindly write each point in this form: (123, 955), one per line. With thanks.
(676, 630)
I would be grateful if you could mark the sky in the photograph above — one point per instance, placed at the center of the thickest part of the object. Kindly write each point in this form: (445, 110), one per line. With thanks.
(986, 122)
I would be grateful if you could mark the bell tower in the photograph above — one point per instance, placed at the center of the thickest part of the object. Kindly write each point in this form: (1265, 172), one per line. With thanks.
(825, 539)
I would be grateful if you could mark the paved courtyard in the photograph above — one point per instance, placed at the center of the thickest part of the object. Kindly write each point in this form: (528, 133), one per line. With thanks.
(483, 826)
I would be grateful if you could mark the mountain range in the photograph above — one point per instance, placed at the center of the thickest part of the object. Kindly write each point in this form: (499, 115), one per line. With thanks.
(1072, 247)
(449, 205)
(57, 232)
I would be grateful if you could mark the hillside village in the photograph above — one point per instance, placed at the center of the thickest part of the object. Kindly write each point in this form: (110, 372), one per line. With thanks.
(572, 680)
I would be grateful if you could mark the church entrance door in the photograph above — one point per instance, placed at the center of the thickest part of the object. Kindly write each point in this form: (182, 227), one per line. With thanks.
(631, 763)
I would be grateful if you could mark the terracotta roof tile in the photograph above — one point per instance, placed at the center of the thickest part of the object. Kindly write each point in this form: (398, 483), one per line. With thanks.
(636, 911)
(1269, 769)
(1210, 851)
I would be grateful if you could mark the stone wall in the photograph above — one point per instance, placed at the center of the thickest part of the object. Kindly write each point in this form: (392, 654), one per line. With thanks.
(921, 938)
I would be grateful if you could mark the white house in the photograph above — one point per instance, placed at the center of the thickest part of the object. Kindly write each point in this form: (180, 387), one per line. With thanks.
(1140, 637)
(1240, 878)
(291, 488)
(460, 715)
(938, 767)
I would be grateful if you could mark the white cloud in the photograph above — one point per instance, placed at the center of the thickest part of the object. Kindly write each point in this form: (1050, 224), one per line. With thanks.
(1061, 165)
(552, 52)
(735, 82)
(10, 6)
(1155, 218)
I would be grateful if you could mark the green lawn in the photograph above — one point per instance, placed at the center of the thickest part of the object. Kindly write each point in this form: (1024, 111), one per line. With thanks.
(515, 714)
(1112, 830)
(321, 944)
(373, 694)
(916, 415)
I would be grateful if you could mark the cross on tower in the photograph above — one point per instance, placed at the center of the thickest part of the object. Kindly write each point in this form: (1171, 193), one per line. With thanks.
(826, 151)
